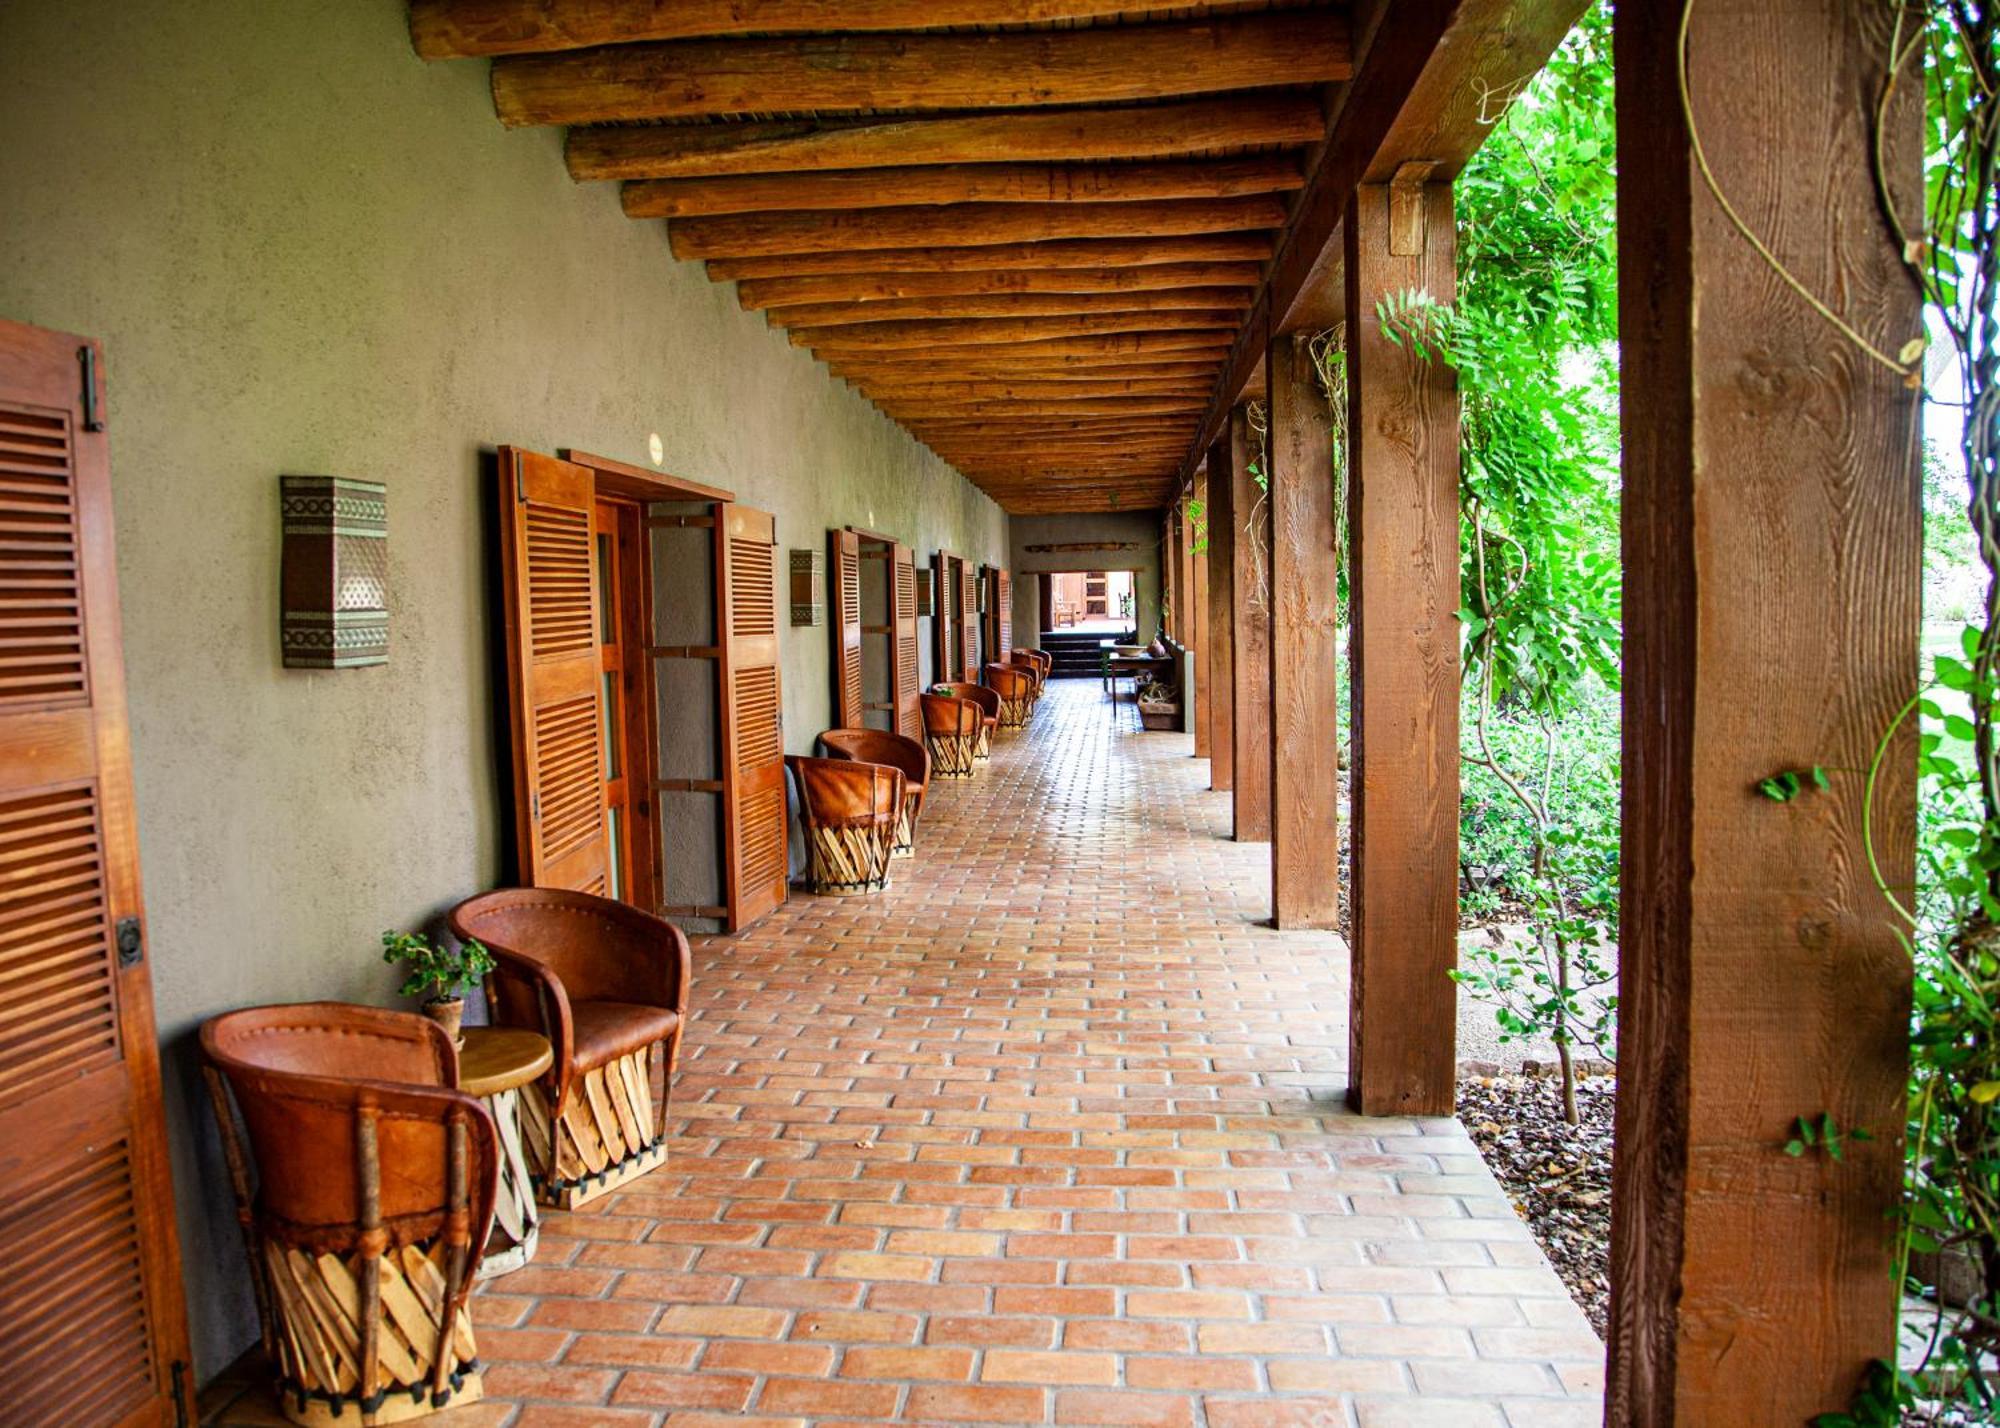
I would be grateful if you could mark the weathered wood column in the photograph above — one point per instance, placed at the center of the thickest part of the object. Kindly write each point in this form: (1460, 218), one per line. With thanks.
(1222, 610)
(1193, 530)
(1250, 606)
(1772, 556)
(1403, 654)
(1305, 619)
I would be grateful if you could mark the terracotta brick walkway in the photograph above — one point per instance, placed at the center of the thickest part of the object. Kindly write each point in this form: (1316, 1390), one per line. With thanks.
(1051, 1132)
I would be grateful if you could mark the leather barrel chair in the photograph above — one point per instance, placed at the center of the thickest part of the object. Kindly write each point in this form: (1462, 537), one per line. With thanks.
(1040, 661)
(1015, 685)
(367, 1183)
(898, 751)
(951, 733)
(988, 700)
(606, 984)
(850, 812)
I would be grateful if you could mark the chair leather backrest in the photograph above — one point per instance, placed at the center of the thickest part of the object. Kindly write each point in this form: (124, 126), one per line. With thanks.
(1010, 681)
(987, 698)
(945, 715)
(591, 944)
(879, 746)
(302, 1076)
(837, 791)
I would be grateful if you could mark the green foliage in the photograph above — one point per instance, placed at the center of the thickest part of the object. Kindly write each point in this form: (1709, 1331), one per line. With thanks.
(1823, 1134)
(436, 973)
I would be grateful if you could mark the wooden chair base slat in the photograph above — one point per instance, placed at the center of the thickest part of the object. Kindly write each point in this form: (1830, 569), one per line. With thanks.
(517, 1223)
(1014, 713)
(317, 1302)
(952, 755)
(850, 860)
(603, 1138)
(906, 829)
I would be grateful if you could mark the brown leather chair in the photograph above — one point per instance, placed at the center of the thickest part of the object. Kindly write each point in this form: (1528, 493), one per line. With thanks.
(1015, 685)
(605, 983)
(951, 733)
(988, 701)
(850, 812)
(368, 1180)
(1039, 661)
(898, 751)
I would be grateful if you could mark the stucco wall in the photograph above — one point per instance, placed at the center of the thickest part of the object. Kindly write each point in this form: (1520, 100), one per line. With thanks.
(1140, 530)
(307, 251)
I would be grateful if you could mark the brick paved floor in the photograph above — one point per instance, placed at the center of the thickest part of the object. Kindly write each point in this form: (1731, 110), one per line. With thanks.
(1051, 1132)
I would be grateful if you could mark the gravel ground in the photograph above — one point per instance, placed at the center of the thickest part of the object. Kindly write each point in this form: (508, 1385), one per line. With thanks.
(1557, 1175)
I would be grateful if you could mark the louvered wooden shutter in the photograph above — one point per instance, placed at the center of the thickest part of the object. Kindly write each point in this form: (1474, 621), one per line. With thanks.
(907, 682)
(1004, 584)
(968, 622)
(846, 560)
(752, 722)
(944, 610)
(95, 1330)
(548, 562)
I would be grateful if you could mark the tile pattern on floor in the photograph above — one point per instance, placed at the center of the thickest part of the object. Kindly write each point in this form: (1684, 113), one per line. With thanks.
(1049, 1132)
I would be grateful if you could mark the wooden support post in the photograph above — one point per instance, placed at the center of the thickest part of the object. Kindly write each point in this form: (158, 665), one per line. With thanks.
(1305, 621)
(1221, 613)
(1251, 606)
(1403, 649)
(1772, 548)
(1196, 534)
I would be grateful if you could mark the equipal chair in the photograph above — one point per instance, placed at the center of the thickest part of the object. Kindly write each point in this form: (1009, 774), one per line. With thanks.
(364, 1192)
(898, 751)
(1015, 684)
(850, 812)
(988, 701)
(1039, 661)
(951, 733)
(605, 983)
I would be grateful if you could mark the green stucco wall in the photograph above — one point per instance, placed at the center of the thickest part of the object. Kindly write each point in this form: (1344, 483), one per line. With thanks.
(307, 251)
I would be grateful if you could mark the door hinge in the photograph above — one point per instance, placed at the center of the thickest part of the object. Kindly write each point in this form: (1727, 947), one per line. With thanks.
(131, 942)
(535, 807)
(179, 1373)
(93, 415)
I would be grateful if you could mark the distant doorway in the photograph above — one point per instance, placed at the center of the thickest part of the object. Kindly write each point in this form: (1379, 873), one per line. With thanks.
(1091, 600)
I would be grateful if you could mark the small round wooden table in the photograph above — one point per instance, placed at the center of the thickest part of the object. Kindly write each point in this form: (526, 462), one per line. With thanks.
(494, 1064)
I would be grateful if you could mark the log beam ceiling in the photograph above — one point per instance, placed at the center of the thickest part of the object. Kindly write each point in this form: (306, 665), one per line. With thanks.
(1029, 231)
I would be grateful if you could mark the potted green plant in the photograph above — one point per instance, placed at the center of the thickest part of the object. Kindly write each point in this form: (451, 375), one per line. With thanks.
(1159, 705)
(438, 974)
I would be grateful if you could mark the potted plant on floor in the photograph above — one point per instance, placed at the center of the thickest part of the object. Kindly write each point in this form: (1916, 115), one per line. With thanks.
(438, 974)
(1159, 705)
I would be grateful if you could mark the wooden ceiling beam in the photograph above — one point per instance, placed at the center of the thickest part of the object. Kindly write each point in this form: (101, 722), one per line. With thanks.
(469, 29)
(1052, 426)
(758, 293)
(841, 314)
(1069, 370)
(1019, 391)
(997, 409)
(1122, 345)
(961, 183)
(1246, 247)
(1155, 131)
(705, 78)
(951, 332)
(965, 225)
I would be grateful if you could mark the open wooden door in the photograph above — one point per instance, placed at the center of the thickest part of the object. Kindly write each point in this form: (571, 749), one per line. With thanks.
(752, 716)
(95, 1329)
(844, 556)
(548, 566)
(907, 681)
(968, 622)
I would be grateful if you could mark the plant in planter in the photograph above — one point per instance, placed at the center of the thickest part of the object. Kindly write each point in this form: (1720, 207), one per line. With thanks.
(1159, 705)
(438, 974)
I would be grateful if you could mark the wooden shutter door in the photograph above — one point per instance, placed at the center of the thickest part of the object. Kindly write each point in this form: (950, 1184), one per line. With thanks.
(944, 609)
(752, 721)
(548, 563)
(906, 682)
(95, 1330)
(968, 622)
(846, 561)
(1005, 596)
